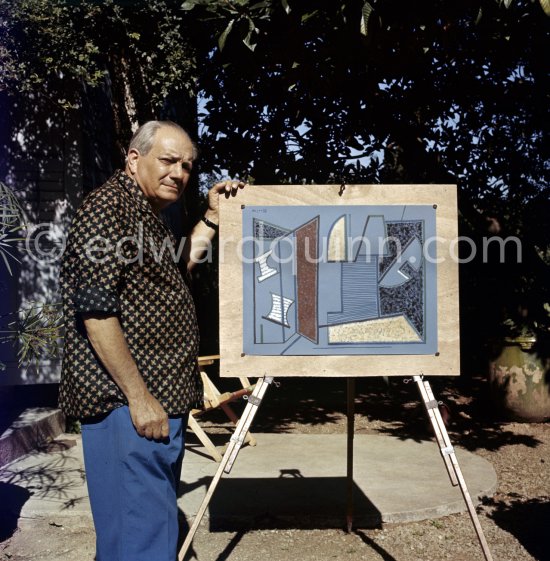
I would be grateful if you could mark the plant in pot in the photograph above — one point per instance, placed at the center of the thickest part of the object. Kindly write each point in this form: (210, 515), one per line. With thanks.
(519, 347)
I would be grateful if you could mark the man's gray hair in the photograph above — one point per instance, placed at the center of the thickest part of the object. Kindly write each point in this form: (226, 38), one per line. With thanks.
(143, 138)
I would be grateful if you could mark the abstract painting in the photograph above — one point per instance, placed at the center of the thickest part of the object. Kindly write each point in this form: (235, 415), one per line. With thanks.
(339, 280)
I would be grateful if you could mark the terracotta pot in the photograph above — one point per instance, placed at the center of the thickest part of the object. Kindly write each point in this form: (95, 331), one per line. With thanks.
(520, 381)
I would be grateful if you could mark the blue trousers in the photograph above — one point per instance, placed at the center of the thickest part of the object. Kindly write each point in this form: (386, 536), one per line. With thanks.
(132, 484)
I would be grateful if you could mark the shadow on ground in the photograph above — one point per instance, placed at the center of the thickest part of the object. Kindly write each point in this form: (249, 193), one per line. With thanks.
(8, 415)
(52, 478)
(314, 402)
(527, 521)
(384, 555)
(250, 503)
(14, 497)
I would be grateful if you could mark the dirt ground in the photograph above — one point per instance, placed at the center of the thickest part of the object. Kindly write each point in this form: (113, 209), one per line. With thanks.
(515, 520)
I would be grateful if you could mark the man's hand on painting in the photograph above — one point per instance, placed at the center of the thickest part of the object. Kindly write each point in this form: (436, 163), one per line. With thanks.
(227, 188)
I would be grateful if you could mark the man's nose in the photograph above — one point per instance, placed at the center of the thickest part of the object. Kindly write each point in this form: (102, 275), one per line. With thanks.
(177, 172)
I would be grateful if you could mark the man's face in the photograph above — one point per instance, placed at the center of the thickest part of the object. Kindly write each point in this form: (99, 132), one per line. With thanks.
(163, 172)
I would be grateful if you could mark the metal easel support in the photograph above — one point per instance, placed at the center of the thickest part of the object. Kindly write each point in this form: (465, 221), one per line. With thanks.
(351, 433)
(235, 443)
(449, 457)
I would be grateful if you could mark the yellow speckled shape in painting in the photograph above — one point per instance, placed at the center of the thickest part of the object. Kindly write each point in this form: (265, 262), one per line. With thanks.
(337, 241)
(385, 330)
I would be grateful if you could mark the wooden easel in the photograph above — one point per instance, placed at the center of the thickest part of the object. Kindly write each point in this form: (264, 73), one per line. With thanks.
(449, 457)
(214, 399)
(442, 437)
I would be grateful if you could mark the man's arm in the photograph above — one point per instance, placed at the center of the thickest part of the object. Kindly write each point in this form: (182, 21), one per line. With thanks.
(107, 339)
(202, 235)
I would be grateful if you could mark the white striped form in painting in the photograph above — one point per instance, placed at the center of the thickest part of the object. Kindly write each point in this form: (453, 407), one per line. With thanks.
(279, 309)
(265, 270)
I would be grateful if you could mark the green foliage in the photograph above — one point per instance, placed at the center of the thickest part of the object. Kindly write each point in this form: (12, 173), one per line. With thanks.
(36, 333)
(243, 17)
(12, 215)
(136, 55)
(545, 4)
(43, 42)
(428, 92)
(37, 330)
(56, 46)
(12, 220)
(366, 12)
(395, 92)
(316, 91)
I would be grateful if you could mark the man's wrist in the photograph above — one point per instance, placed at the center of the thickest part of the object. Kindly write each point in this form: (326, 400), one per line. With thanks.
(210, 224)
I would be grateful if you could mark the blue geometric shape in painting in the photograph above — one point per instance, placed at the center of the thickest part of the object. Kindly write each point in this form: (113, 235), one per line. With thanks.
(359, 293)
(373, 240)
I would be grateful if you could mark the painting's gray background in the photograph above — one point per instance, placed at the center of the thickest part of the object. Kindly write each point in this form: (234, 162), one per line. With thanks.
(417, 299)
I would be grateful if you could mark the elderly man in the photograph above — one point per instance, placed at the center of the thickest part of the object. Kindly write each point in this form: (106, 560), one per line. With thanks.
(130, 361)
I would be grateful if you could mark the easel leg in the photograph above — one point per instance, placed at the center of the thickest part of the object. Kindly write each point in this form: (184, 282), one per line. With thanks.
(203, 437)
(249, 439)
(254, 401)
(449, 456)
(351, 430)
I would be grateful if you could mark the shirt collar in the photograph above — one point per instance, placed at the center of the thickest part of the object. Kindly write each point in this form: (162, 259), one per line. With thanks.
(133, 188)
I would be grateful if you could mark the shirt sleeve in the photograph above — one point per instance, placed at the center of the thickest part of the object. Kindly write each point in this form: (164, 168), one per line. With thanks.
(97, 262)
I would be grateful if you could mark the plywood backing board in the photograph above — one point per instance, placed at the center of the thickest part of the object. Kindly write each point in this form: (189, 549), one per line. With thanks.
(235, 363)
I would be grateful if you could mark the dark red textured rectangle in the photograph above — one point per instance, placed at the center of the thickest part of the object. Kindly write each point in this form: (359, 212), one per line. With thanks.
(307, 271)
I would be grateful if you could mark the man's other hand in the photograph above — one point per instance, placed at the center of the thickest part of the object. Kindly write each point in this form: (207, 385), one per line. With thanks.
(149, 417)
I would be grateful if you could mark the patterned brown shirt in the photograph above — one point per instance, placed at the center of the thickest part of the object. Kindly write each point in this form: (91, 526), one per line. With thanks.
(114, 263)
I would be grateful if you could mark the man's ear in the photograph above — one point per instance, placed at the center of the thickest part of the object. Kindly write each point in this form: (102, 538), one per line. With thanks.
(132, 160)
